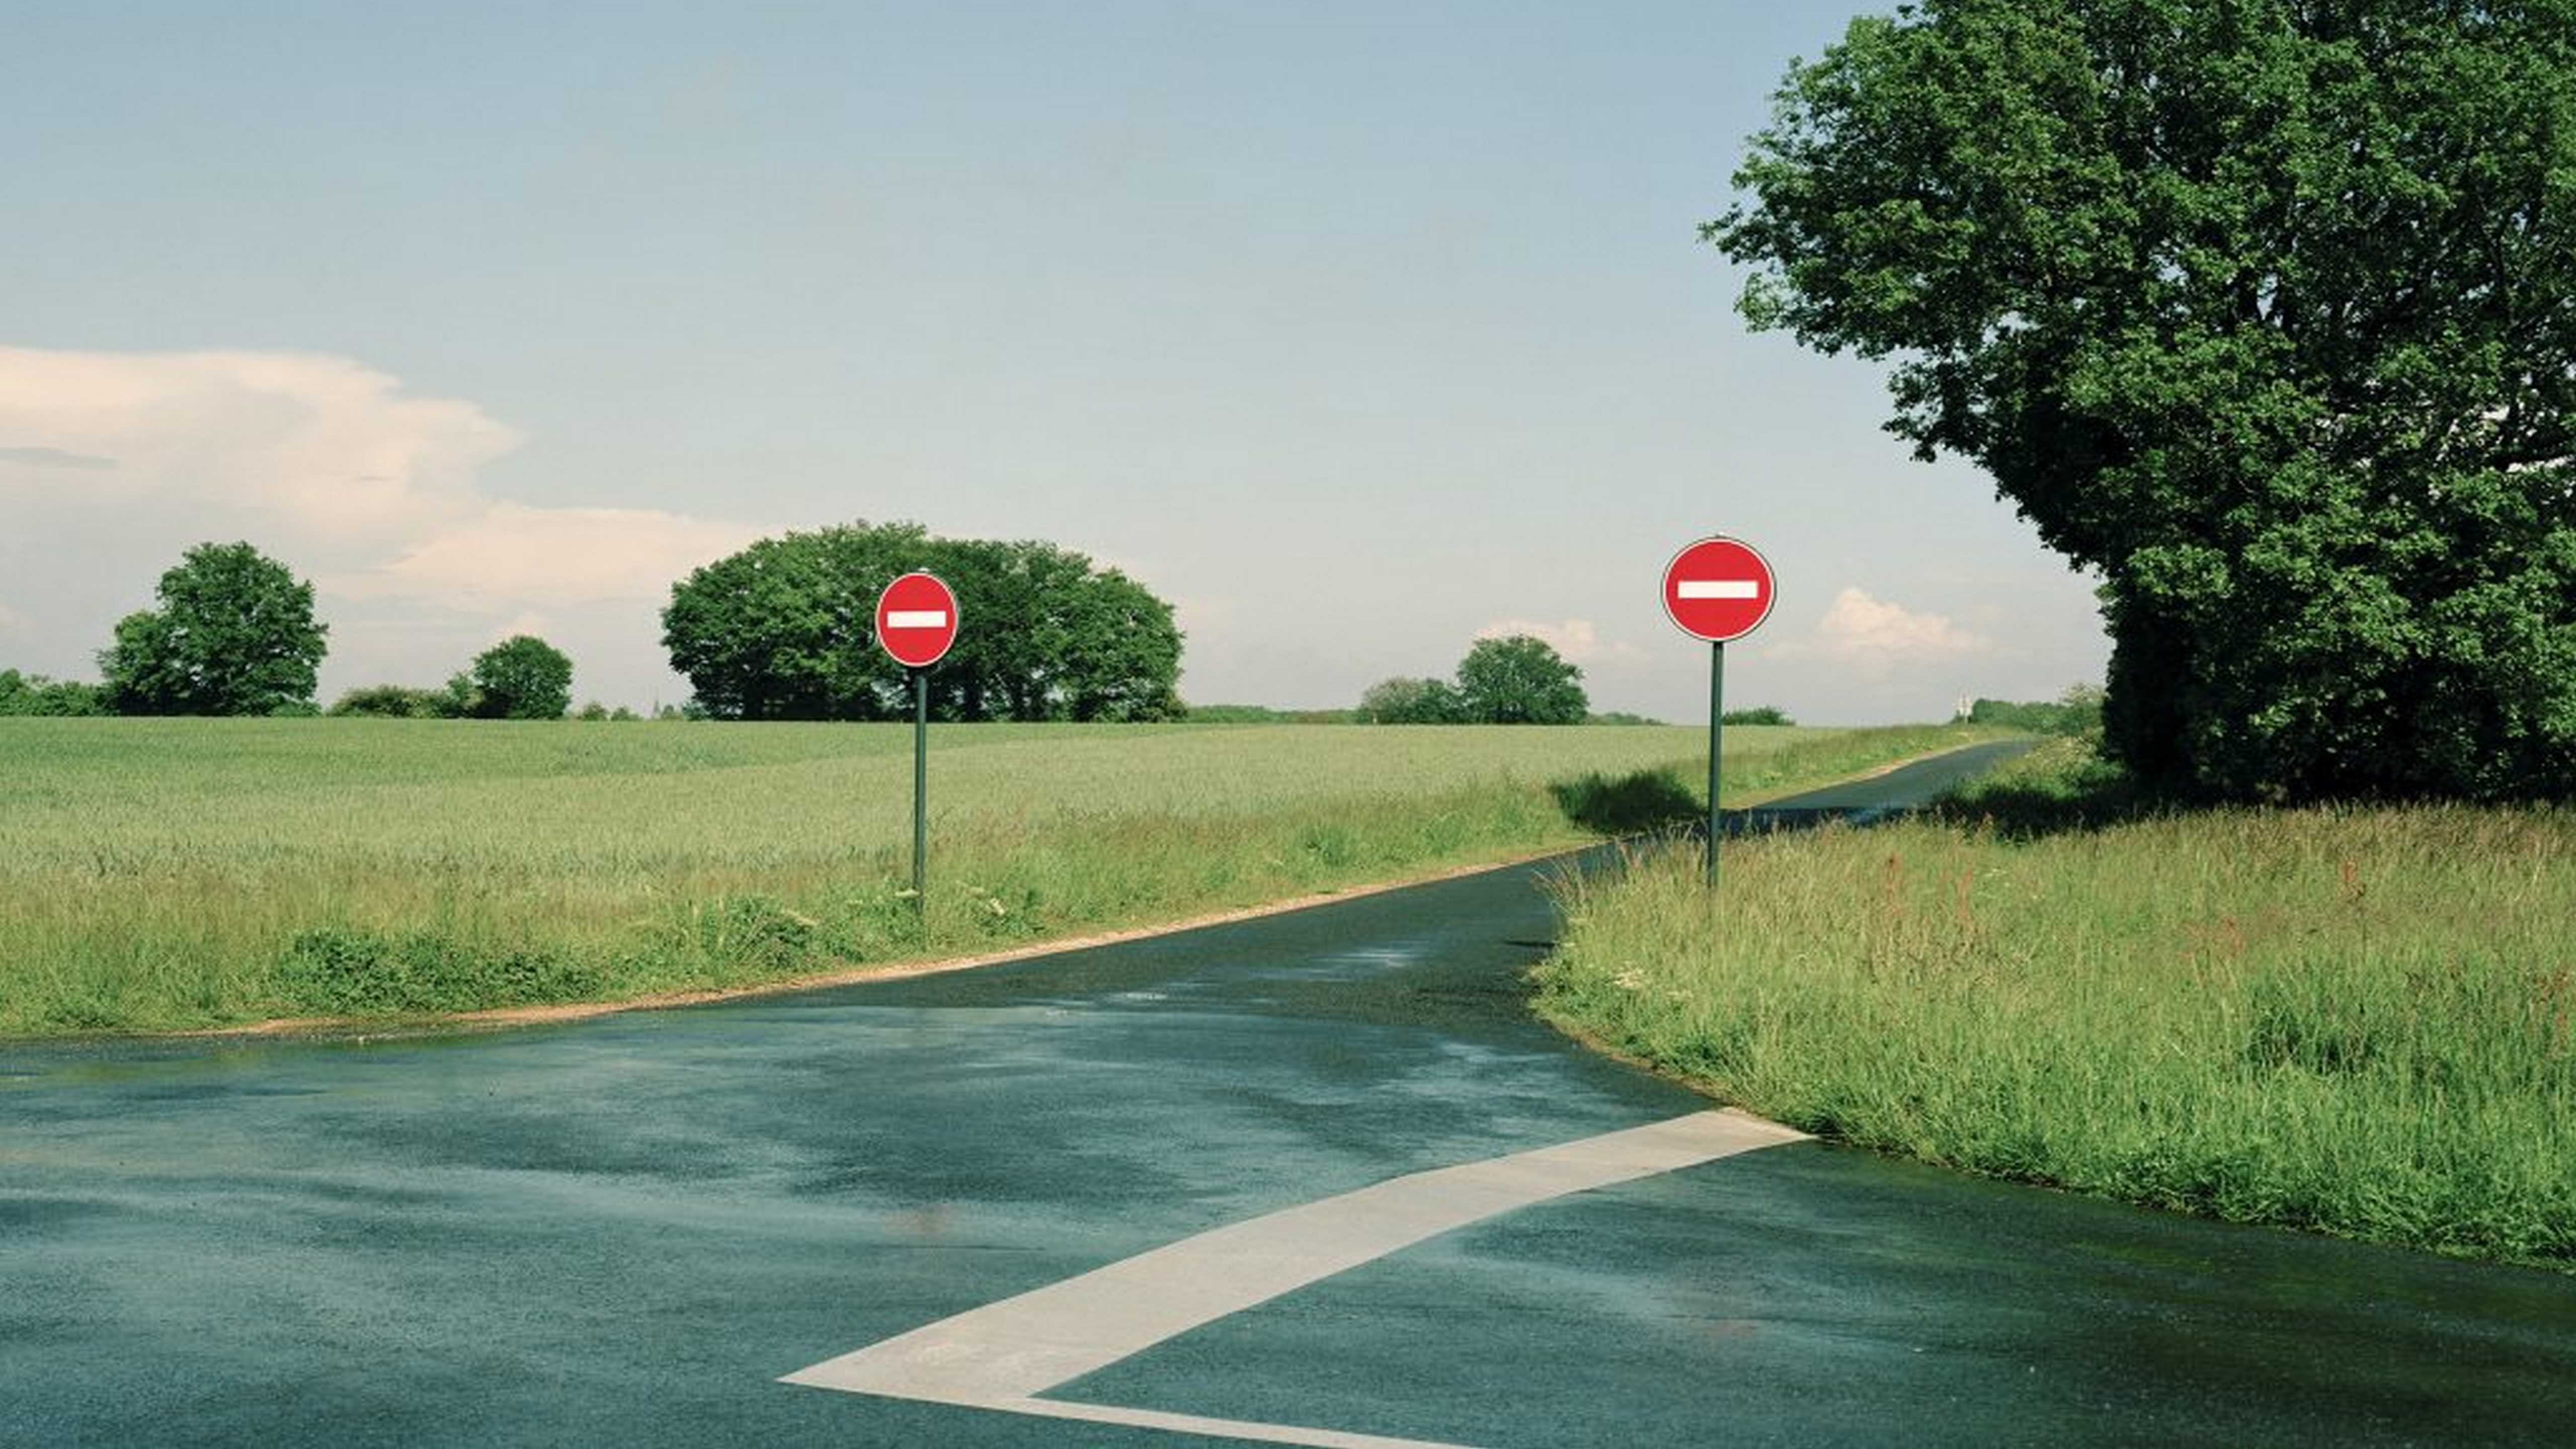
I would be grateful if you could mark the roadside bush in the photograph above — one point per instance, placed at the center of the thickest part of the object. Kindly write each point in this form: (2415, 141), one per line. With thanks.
(344, 971)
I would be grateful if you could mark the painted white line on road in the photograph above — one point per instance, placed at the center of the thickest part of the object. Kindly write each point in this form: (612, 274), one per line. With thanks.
(916, 618)
(1002, 1355)
(1719, 589)
(1201, 1424)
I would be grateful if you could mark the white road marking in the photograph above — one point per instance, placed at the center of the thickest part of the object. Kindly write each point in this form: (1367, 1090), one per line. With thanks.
(1003, 1355)
(916, 618)
(1720, 588)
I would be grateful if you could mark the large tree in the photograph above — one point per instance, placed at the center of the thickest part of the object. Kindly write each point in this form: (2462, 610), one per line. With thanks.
(1519, 680)
(235, 634)
(781, 630)
(2263, 310)
(522, 677)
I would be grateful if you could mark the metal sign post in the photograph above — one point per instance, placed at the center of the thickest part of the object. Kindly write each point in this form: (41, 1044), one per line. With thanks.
(920, 787)
(916, 624)
(1717, 589)
(1716, 730)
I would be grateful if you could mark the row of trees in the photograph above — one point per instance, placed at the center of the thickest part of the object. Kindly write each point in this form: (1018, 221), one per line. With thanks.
(234, 634)
(522, 677)
(1514, 680)
(778, 631)
(782, 630)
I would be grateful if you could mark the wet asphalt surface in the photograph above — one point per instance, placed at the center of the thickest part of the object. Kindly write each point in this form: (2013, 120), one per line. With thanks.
(621, 1231)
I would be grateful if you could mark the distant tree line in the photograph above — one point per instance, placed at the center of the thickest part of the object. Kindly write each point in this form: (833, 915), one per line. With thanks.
(784, 630)
(2076, 712)
(25, 694)
(781, 630)
(1515, 680)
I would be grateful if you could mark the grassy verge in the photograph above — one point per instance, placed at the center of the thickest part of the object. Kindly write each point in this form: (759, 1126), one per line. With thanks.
(2356, 1021)
(159, 875)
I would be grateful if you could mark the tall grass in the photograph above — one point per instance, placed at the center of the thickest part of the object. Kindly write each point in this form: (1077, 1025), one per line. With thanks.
(2357, 1021)
(159, 874)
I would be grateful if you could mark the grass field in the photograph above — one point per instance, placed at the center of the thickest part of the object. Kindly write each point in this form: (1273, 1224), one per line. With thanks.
(2359, 1021)
(164, 874)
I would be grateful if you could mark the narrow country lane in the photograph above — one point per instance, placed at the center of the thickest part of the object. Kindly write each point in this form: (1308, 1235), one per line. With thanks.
(1333, 1186)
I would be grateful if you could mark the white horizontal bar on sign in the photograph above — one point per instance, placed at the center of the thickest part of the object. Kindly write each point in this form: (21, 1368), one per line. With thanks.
(1721, 589)
(916, 618)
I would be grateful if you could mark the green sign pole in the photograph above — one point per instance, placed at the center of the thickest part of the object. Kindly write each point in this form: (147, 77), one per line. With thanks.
(920, 787)
(1716, 727)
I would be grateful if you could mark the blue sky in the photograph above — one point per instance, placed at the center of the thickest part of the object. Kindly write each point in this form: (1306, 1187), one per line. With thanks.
(1356, 330)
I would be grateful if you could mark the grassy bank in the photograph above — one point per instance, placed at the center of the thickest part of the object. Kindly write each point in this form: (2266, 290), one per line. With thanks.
(165, 874)
(2357, 1021)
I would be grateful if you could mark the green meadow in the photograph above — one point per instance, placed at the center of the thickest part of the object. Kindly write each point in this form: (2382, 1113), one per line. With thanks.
(174, 874)
(2359, 1021)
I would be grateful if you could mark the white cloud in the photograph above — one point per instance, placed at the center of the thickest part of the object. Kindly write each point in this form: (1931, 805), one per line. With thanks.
(1577, 641)
(326, 450)
(329, 465)
(9, 618)
(1875, 636)
(511, 556)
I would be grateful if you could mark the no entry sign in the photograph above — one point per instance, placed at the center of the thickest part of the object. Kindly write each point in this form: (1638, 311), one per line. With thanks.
(917, 620)
(1718, 589)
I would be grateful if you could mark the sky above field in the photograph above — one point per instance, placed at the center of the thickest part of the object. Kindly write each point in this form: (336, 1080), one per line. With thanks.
(1356, 330)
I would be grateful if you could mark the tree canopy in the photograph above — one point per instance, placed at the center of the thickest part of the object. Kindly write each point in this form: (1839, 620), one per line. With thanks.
(1412, 701)
(235, 634)
(522, 677)
(2263, 310)
(782, 630)
(1519, 680)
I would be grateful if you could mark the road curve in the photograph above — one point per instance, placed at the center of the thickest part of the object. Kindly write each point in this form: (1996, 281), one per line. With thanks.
(630, 1229)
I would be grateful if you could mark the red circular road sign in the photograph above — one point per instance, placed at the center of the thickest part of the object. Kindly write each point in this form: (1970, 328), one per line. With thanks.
(1718, 589)
(917, 619)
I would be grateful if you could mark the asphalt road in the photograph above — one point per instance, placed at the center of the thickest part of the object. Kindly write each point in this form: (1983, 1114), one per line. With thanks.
(627, 1230)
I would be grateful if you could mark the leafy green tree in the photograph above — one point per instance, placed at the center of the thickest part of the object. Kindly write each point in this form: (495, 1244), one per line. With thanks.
(1412, 701)
(1760, 714)
(235, 634)
(782, 631)
(1519, 680)
(522, 677)
(2265, 311)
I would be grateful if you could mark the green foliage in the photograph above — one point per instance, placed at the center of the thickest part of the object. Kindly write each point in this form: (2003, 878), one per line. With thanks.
(2076, 712)
(522, 677)
(1411, 701)
(344, 972)
(782, 631)
(392, 701)
(34, 694)
(1620, 717)
(235, 634)
(2352, 1020)
(2260, 310)
(1766, 714)
(1519, 680)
